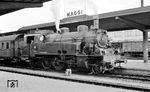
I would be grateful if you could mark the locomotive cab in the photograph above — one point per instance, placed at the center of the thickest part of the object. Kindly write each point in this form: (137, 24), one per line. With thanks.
(30, 40)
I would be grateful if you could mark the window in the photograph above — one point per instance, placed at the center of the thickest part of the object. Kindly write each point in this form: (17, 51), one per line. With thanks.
(128, 33)
(7, 45)
(30, 39)
(2, 45)
(138, 33)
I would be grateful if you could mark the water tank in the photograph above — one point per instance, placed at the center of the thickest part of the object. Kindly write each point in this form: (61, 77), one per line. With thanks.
(82, 28)
(64, 29)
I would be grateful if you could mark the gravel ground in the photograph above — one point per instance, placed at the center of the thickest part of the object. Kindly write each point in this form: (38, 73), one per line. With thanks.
(28, 83)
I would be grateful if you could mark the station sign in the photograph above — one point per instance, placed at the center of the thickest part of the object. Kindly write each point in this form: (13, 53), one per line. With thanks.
(75, 13)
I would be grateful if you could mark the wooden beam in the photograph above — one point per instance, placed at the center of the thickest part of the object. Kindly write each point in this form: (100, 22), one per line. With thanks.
(2, 12)
(17, 5)
(25, 1)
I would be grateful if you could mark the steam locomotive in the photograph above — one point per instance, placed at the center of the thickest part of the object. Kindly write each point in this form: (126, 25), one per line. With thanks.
(84, 49)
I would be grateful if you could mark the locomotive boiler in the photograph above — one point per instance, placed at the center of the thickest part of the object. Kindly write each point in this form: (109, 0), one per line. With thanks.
(84, 49)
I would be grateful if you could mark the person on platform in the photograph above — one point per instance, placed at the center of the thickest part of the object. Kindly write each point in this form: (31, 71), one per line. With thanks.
(68, 69)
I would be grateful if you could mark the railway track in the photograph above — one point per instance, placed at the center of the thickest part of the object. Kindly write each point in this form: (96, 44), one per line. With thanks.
(110, 75)
(89, 79)
(129, 77)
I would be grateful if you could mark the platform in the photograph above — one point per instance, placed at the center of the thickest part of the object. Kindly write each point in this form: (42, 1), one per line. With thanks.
(136, 64)
(39, 84)
(87, 79)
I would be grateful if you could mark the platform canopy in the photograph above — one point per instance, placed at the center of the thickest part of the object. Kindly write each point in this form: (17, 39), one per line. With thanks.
(7, 6)
(136, 18)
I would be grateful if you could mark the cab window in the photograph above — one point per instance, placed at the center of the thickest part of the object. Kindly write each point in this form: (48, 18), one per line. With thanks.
(7, 45)
(30, 39)
(2, 45)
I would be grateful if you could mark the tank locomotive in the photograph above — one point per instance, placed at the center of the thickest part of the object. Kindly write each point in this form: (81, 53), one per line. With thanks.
(85, 49)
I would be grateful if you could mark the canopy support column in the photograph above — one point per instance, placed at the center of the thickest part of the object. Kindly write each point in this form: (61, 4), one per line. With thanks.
(145, 46)
(142, 28)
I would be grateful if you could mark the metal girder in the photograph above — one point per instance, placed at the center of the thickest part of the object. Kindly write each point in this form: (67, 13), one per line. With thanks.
(131, 23)
(18, 5)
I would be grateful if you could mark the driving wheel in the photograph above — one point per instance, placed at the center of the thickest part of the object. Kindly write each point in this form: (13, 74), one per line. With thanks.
(58, 64)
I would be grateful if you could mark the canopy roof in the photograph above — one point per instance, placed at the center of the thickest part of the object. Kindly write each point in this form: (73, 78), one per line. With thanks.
(7, 6)
(137, 18)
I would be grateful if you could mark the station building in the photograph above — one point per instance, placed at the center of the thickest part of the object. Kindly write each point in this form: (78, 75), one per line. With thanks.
(126, 35)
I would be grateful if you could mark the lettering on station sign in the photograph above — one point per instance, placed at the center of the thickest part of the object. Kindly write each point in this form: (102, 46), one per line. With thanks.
(74, 13)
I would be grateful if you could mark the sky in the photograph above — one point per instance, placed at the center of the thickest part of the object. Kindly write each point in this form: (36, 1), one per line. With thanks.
(31, 16)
